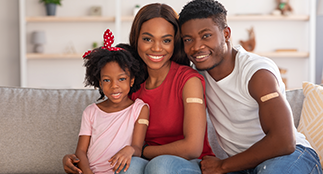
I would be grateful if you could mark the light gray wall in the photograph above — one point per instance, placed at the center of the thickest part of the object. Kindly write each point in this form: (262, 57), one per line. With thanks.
(9, 43)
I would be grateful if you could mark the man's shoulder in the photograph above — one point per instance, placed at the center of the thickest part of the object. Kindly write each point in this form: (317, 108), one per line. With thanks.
(245, 57)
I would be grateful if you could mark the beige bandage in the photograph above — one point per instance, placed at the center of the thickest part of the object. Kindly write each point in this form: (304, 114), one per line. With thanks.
(143, 121)
(194, 100)
(269, 96)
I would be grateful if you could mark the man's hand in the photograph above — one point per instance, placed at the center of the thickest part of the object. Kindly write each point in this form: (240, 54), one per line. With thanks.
(211, 165)
(69, 167)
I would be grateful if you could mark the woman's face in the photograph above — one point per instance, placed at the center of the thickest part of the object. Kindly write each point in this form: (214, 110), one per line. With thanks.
(156, 42)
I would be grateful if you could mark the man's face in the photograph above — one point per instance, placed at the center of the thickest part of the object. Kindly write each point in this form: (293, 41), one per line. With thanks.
(204, 43)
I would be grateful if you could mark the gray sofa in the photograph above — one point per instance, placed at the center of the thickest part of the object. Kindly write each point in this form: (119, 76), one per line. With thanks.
(39, 126)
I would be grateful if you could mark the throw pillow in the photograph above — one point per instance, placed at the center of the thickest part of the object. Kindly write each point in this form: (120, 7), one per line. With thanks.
(311, 122)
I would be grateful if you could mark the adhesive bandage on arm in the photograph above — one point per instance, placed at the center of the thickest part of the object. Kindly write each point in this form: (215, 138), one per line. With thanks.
(143, 121)
(194, 100)
(269, 96)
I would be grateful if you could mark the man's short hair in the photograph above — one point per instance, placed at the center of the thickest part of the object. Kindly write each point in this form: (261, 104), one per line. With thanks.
(199, 9)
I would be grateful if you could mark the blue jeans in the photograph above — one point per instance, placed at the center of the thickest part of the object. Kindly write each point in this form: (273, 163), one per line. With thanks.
(164, 164)
(302, 161)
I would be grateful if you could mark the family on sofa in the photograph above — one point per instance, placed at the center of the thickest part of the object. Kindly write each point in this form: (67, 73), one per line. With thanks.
(243, 93)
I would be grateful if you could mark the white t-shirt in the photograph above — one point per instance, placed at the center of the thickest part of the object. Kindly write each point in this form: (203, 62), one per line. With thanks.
(232, 110)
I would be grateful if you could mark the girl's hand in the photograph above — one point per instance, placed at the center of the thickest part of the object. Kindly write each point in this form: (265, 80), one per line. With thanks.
(122, 159)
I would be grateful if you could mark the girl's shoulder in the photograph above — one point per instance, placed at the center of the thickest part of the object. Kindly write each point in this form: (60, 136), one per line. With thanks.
(139, 103)
(137, 107)
(91, 107)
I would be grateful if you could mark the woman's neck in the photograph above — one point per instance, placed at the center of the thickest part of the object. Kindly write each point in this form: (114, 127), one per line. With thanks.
(157, 76)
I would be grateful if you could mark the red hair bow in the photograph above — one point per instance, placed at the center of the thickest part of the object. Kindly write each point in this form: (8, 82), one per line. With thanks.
(108, 41)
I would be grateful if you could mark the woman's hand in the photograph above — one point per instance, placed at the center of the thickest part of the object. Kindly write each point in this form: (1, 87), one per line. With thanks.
(68, 163)
(122, 159)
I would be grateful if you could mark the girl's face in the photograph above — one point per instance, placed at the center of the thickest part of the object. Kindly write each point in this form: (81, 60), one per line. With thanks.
(156, 42)
(115, 83)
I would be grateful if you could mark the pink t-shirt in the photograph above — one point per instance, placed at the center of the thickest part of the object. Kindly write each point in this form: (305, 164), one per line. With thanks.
(109, 132)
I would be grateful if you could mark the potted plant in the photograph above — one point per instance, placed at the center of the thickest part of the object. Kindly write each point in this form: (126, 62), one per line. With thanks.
(51, 6)
(136, 9)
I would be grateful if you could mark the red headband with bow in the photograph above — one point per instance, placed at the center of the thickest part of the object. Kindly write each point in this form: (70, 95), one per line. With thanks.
(108, 41)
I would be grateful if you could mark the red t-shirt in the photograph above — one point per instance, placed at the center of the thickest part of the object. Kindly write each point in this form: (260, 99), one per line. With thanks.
(166, 107)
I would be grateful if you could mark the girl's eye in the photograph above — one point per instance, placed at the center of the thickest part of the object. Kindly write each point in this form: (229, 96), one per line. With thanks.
(147, 39)
(122, 79)
(167, 40)
(106, 80)
(206, 36)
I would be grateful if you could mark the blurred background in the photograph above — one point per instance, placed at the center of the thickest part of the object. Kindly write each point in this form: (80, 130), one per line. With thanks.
(45, 51)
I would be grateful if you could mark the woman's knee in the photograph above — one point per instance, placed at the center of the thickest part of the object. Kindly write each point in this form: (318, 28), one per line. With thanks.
(168, 164)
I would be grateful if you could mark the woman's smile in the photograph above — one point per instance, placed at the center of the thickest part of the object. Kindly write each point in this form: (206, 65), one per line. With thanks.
(156, 58)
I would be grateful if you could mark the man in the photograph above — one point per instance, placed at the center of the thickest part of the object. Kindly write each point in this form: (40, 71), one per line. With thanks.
(246, 100)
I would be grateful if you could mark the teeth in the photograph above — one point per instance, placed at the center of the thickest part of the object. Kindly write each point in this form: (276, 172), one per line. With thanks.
(200, 57)
(116, 94)
(156, 57)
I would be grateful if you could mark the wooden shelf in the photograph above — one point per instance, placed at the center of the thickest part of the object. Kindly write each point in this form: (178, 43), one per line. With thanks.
(284, 54)
(70, 19)
(127, 18)
(268, 17)
(53, 56)
(130, 18)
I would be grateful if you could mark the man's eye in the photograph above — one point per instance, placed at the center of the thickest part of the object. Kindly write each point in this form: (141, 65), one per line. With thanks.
(187, 40)
(206, 36)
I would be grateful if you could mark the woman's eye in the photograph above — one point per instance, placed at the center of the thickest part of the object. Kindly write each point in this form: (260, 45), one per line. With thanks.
(206, 36)
(147, 39)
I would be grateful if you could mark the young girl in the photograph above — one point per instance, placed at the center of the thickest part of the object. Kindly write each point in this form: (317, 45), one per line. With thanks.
(114, 130)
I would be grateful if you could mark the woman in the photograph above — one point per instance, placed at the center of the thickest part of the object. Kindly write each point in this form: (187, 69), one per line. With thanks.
(176, 138)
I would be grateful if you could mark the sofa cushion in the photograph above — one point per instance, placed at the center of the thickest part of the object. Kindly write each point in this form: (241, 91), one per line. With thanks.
(295, 98)
(39, 126)
(311, 122)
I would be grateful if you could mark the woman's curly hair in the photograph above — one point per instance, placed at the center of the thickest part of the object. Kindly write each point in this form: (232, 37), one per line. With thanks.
(99, 57)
